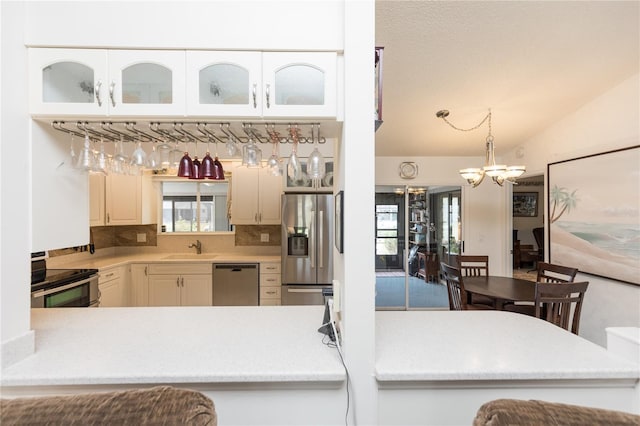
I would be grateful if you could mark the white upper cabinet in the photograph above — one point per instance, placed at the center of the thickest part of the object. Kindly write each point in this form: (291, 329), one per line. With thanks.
(68, 81)
(256, 84)
(146, 82)
(299, 84)
(89, 82)
(178, 83)
(224, 83)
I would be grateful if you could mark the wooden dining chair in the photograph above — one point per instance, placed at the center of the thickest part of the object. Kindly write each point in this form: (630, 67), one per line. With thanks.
(551, 273)
(547, 273)
(475, 266)
(561, 303)
(455, 288)
(428, 266)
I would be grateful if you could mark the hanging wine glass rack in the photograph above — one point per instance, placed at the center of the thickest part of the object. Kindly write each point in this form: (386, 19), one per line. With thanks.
(191, 132)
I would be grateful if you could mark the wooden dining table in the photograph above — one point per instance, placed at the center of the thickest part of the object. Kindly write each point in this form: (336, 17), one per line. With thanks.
(501, 289)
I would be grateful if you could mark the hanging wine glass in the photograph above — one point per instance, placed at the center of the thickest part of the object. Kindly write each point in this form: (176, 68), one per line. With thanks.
(316, 167)
(251, 154)
(274, 163)
(153, 160)
(218, 171)
(120, 164)
(70, 162)
(100, 164)
(294, 168)
(196, 165)
(232, 146)
(138, 160)
(85, 160)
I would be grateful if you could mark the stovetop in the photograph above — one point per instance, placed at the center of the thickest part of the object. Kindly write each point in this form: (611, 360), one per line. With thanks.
(57, 277)
(43, 277)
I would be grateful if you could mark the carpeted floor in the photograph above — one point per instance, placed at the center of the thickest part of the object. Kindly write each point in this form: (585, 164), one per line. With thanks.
(390, 292)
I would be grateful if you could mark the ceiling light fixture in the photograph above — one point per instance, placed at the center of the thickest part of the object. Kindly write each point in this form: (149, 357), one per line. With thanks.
(499, 173)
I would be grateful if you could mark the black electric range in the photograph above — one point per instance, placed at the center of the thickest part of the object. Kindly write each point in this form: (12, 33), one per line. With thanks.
(43, 278)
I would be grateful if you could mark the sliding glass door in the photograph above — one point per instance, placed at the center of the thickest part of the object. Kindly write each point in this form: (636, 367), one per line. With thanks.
(408, 232)
(447, 215)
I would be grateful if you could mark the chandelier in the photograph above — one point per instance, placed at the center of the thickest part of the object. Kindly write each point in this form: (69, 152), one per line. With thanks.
(499, 173)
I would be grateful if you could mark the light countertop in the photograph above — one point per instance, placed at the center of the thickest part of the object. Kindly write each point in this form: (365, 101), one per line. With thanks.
(487, 345)
(77, 346)
(115, 260)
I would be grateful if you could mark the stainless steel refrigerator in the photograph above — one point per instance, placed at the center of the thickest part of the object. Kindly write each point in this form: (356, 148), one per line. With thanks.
(307, 247)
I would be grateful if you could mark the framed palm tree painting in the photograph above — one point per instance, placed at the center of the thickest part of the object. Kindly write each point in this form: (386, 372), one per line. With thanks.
(594, 215)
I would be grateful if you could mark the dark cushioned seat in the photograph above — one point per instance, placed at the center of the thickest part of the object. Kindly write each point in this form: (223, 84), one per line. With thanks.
(161, 405)
(530, 413)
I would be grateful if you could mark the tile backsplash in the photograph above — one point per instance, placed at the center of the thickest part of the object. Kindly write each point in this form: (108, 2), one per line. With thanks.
(116, 236)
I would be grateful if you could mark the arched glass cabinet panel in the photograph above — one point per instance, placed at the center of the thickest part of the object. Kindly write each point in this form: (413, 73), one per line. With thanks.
(147, 83)
(224, 84)
(68, 81)
(299, 85)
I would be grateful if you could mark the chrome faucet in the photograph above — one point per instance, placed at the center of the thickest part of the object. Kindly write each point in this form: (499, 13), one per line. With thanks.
(197, 245)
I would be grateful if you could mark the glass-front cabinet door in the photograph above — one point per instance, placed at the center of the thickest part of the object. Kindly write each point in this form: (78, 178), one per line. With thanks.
(146, 82)
(299, 84)
(68, 81)
(227, 84)
(106, 82)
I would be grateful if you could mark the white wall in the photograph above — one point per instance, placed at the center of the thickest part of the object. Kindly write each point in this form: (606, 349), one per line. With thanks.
(608, 122)
(15, 189)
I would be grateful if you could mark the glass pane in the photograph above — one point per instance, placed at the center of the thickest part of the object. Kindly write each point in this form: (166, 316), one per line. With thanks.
(67, 82)
(224, 84)
(147, 84)
(299, 85)
(213, 210)
(386, 246)
(194, 207)
(387, 233)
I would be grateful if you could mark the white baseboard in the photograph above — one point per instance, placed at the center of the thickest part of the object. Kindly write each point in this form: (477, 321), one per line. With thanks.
(18, 348)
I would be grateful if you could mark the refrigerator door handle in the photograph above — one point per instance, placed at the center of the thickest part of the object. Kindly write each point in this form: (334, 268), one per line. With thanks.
(312, 239)
(320, 240)
(304, 290)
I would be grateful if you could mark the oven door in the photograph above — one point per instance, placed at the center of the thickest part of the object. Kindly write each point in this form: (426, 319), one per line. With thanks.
(82, 293)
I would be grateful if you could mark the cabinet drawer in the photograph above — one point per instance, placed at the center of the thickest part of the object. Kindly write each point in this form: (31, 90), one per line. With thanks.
(267, 280)
(108, 275)
(270, 293)
(270, 302)
(180, 268)
(269, 268)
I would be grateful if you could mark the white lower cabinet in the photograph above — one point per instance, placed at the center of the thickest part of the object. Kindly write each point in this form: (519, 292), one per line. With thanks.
(270, 284)
(139, 293)
(188, 284)
(112, 285)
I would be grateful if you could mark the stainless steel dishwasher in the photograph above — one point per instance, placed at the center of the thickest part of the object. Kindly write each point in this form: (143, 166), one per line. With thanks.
(236, 284)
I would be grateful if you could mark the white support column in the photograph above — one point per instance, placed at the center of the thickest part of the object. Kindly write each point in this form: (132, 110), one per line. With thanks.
(358, 158)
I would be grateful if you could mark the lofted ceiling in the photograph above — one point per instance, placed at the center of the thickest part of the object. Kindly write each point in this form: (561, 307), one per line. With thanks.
(531, 62)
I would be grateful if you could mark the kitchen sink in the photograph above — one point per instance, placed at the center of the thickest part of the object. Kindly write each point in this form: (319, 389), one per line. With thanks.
(191, 256)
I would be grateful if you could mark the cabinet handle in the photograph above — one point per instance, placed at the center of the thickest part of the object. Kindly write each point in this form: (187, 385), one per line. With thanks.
(271, 292)
(110, 274)
(268, 93)
(255, 104)
(178, 282)
(108, 218)
(255, 217)
(182, 281)
(98, 86)
(112, 86)
(145, 271)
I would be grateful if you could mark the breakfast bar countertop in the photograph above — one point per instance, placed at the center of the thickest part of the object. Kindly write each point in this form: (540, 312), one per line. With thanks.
(432, 346)
(149, 345)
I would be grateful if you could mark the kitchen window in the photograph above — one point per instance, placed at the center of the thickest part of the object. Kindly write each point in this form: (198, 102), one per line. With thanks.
(189, 206)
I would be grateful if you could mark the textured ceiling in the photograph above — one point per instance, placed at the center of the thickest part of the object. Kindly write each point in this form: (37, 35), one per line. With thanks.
(531, 62)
